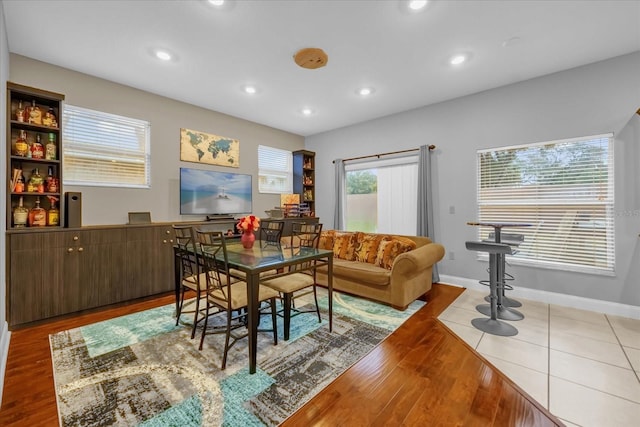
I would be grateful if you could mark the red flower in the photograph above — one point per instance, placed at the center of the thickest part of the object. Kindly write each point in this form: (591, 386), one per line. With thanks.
(250, 222)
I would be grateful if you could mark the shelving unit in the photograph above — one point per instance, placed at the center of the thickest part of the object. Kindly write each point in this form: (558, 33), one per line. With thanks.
(17, 160)
(304, 178)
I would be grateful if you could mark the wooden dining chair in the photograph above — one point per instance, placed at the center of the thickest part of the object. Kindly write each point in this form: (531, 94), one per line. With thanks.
(191, 279)
(226, 295)
(302, 280)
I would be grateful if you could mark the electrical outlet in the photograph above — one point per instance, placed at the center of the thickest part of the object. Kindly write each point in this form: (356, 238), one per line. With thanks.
(452, 255)
(452, 209)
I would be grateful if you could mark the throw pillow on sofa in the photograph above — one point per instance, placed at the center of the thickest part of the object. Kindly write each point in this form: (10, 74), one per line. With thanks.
(367, 250)
(344, 246)
(327, 238)
(388, 251)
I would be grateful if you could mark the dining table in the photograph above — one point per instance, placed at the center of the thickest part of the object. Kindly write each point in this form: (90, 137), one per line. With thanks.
(261, 258)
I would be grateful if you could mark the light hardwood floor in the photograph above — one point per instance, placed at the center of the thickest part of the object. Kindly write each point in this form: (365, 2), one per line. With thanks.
(423, 374)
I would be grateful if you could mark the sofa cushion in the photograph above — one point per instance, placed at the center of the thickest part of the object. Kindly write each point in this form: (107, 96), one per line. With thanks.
(344, 246)
(367, 250)
(326, 239)
(389, 250)
(362, 272)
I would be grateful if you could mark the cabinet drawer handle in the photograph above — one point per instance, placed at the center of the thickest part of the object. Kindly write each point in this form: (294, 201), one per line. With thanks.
(75, 238)
(70, 250)
(170, 240)
(80, 249)
(168, 231)
(164, 241)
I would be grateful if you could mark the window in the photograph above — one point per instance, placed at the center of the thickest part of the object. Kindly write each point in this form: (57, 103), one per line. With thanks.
(564, 189)
(275, 170)
(103, 149)
(382, 196)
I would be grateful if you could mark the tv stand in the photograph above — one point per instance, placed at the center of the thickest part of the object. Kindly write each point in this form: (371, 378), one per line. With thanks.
(219, 217)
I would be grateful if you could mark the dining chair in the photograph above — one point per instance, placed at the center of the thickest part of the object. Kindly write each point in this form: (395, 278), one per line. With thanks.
(191, 278)
(271, 232)
(227, 295)
(302, 280)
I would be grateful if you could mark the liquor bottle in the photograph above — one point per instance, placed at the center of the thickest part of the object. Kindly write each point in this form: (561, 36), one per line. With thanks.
(51, 181)
(19, 187)
(36, 182)
(20, 214)
(20, 112)
(37, 149)
(34, 114)
(37, 215)
(49, 118)
(53, 216)
(51, 150)
(21, 146)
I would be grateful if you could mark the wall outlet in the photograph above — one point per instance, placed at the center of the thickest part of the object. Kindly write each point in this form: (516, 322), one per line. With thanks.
(452, 209)
(452, 255)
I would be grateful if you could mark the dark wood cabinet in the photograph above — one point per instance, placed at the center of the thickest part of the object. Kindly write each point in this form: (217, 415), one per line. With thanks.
(304, 178)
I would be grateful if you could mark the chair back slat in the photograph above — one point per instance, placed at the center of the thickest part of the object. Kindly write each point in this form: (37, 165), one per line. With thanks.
(271, 232)
(185, 243)
(213, 252)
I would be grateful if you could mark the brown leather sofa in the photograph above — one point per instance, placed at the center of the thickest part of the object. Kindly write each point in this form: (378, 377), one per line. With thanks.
(392, 269)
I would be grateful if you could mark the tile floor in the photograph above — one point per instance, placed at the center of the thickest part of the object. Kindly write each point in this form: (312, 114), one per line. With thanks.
(583, 366)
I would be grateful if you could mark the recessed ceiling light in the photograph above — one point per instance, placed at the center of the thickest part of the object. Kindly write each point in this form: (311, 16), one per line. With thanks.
(457, 59)
(307, 111)
(163, 54)
(417, 4)
(250, 89)
(365, 91)
(217, 3)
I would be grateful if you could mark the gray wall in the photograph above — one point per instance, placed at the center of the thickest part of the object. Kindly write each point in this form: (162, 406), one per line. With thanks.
(593, 99)
(102, 205)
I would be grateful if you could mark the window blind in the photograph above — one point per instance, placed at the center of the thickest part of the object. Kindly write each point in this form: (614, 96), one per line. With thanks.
(102, 149)
(275, 170)
(564, 190)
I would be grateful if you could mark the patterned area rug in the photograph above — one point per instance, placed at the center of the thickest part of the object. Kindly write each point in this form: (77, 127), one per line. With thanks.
(142, 369)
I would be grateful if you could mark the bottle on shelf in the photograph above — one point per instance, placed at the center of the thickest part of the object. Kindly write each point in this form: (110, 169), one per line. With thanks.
(34, 114)
(20, 214)
(19, 183)
(53, 215)
(21, 146)
(37, 215)
(20, 112)
(51, 149)
(37, 149)
(49, 118)
(51, 182)
(36, 182)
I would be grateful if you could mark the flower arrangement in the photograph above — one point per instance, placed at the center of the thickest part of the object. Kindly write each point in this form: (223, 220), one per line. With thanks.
(249, 222)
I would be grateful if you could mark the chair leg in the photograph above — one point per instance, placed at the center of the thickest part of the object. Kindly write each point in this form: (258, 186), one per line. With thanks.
(195, 315)
(180, 307)
(287, 315)
(204, 327)
(226, 340)
(274, 321)
(315, 297)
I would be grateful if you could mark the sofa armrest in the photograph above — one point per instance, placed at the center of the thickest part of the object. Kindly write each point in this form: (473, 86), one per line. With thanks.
(411, 263)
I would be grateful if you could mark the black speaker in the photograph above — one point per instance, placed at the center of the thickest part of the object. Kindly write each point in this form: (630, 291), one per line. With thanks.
(72, 210)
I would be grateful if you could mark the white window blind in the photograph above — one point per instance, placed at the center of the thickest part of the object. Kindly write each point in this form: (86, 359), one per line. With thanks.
(564, 189)
(102, 149)
(275, 170)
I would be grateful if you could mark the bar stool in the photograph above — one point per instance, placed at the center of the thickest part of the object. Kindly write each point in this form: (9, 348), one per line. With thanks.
(514, 240)
(492, 325)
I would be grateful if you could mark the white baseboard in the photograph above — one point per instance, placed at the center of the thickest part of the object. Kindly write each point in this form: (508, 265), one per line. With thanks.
(5, 335)
(606, 307)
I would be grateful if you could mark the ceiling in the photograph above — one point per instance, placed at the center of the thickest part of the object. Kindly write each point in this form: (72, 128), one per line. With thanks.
(404, 56)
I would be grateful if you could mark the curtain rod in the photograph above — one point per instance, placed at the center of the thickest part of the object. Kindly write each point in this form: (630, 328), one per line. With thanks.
(431, 147)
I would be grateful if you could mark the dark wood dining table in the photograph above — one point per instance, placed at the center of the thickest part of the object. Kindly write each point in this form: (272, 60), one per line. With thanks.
(263, 258)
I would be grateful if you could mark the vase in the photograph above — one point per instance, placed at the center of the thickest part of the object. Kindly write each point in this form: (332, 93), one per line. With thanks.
(247, 239)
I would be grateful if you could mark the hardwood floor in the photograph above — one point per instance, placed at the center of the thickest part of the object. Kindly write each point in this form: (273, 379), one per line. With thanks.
(422, 375)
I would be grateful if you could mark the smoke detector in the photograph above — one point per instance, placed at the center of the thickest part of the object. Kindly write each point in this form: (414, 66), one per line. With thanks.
(311, 58)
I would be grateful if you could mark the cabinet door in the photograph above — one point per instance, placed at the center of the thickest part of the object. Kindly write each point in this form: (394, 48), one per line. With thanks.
(27, 293)
(149, 260)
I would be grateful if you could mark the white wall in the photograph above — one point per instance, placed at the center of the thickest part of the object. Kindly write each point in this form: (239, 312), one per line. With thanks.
(593, 99)
(102, 205)
(4, 73)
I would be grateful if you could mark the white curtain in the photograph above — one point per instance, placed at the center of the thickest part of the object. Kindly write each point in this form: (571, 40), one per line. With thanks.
(397, 204)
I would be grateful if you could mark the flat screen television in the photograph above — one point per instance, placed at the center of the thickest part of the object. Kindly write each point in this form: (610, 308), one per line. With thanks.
(206, 192)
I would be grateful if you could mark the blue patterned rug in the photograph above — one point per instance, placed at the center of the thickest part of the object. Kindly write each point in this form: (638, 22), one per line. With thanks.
(142, 369)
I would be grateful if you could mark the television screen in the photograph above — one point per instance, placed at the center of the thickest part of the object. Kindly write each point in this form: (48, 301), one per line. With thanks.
(214, 193)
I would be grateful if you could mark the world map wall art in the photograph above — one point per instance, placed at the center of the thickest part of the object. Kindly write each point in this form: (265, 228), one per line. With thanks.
(200, 147)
